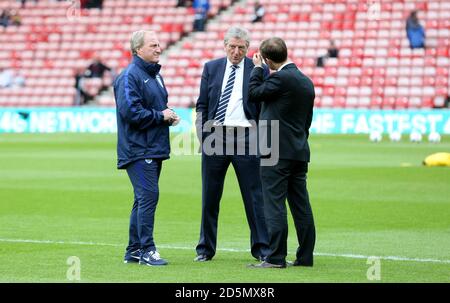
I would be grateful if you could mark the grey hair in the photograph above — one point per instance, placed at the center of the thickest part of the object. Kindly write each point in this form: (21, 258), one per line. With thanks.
(137, 40)
(237, 32)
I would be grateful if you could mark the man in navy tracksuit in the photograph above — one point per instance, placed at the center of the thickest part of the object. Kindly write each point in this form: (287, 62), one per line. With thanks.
(143, 121)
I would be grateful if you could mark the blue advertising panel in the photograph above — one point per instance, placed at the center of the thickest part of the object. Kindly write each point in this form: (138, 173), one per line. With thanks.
(345, 121)
(71, 119)
(325, 121)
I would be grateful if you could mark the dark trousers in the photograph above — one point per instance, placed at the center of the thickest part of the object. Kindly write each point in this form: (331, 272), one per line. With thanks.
(246, 167)
(144, 176)
(287, 179)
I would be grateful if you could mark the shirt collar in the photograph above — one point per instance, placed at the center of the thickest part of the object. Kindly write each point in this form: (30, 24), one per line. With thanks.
(281, 67)
(240, 64)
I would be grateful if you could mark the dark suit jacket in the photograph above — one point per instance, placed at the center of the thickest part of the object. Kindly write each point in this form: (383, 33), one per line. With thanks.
(287, 96)
(211, 88)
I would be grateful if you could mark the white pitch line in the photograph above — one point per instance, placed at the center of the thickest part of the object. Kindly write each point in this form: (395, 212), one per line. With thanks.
(352, 256)
(393, 258)
(57, 242)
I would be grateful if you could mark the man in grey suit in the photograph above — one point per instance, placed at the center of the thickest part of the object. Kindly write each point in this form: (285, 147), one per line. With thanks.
(287, 97)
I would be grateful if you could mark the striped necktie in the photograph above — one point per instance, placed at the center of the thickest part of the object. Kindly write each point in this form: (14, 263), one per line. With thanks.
(225, 97)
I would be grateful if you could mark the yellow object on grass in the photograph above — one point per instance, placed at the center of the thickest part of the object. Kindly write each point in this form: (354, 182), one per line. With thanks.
(437, 159)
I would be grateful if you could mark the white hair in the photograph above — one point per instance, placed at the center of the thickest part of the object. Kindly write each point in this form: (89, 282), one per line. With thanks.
(237, 32)
(137, 40)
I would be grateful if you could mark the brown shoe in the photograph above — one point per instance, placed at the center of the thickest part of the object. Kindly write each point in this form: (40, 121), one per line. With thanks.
(267, 265)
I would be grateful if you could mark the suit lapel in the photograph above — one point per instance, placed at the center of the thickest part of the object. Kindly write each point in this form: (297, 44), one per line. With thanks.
(220, 73)
(248, 66)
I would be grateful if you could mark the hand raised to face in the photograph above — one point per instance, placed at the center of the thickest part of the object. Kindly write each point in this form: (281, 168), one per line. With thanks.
(257, 59)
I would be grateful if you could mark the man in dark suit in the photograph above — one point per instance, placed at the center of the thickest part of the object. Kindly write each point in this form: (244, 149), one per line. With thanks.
(287, 97)
(226, 119)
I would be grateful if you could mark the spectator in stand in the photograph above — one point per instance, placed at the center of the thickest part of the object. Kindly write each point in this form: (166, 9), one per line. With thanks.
(259, 12)
(415, 31)
(10, 78)
(97, 69)
(18, 79)
(91, 4)
(332, 52)
(201, 8)
(84, 3)
(184, 3)
(25, 1)
(5, 18)
(81, 96)
(95, 4)
(15, 18)
(222, 5)
(6, 78)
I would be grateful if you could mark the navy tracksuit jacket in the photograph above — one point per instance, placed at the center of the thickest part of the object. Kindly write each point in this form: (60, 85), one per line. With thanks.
(140, 100)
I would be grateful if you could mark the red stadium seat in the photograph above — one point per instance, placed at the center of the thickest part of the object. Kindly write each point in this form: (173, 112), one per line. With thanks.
(401, 103)
(376, 102)
(375, 66)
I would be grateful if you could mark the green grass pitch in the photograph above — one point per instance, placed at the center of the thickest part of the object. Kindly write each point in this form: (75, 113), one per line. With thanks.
(61, 195)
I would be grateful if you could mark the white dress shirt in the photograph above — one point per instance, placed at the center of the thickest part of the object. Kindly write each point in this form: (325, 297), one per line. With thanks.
(235, 115)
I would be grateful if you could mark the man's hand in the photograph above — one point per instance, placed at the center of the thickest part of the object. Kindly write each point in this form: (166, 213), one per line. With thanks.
(171, 116)
(257, 59)
(168, 114)
(175, 121)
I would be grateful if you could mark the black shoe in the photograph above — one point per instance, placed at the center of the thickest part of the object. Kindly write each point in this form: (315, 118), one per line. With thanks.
(300, 263)
(202, 258)
(267, 265)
